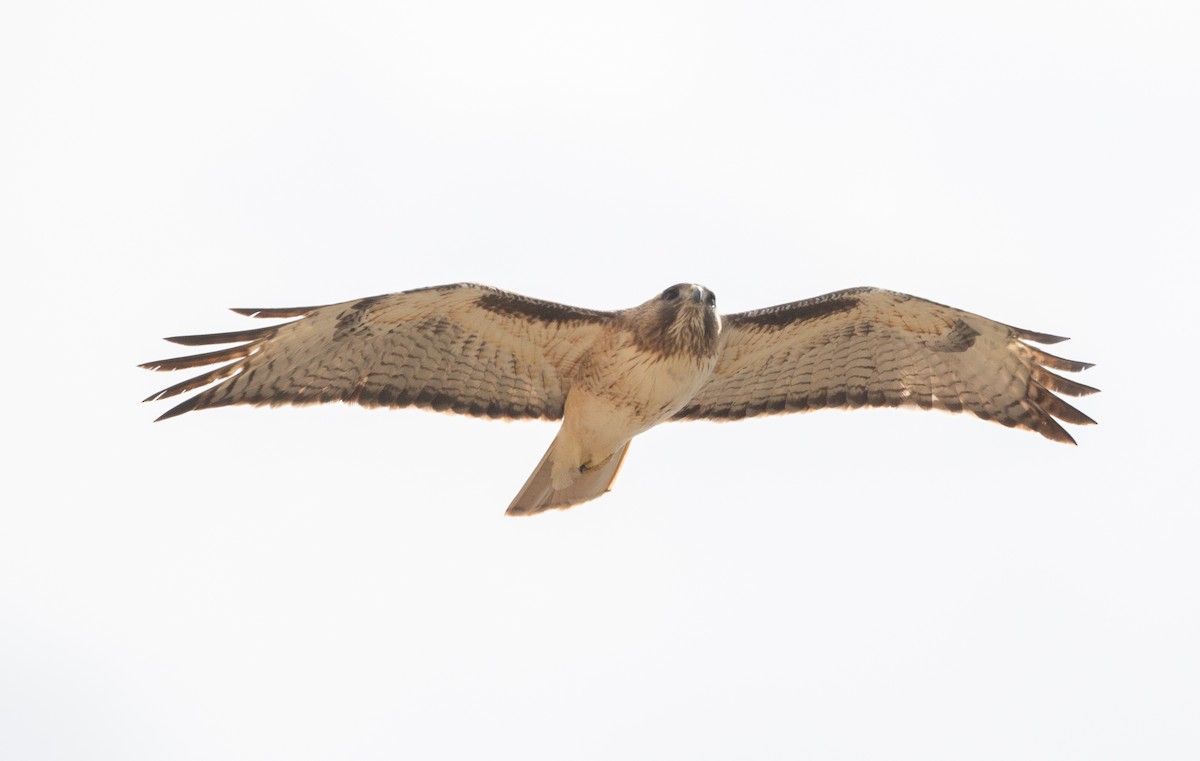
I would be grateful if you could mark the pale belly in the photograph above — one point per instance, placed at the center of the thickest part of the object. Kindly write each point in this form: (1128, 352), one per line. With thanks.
(628, 396)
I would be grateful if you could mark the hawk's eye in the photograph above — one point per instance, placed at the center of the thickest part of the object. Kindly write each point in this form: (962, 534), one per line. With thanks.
(671, 293)
(711, 299)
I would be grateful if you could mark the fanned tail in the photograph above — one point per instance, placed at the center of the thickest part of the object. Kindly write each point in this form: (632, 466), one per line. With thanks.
(538, 494)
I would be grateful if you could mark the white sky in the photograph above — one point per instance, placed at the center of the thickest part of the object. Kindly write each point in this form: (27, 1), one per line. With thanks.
(341, 583)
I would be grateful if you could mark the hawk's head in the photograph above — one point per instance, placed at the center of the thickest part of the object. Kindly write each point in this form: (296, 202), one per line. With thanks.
(682, 319)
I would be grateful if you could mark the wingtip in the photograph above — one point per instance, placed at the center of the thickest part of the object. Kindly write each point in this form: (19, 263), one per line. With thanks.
(185, 406)
(1054, 431)
(1041, 338)
(273, 314)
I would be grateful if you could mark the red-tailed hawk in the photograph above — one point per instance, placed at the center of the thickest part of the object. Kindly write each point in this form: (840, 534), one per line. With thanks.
(609, 376)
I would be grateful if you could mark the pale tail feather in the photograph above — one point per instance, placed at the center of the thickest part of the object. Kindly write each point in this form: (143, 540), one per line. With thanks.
(539, 494)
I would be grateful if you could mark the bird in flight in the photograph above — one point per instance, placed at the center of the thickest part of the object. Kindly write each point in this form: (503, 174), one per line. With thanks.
(478, 350)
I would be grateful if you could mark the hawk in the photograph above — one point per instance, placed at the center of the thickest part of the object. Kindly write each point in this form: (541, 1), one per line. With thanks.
(478, 350)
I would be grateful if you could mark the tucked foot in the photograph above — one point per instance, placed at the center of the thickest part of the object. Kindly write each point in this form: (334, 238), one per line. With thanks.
(590, 467)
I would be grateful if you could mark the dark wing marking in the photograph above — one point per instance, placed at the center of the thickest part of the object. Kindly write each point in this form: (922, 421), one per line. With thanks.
(871, 347)
(465, 348)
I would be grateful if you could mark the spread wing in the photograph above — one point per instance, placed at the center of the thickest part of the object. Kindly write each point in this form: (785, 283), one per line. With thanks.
(466, 348)
(871, 347)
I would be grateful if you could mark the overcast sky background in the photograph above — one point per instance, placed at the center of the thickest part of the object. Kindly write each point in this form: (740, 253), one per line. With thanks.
(341, 583)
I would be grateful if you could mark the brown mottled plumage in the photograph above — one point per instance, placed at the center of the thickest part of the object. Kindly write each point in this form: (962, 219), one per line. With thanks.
(481, 351)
